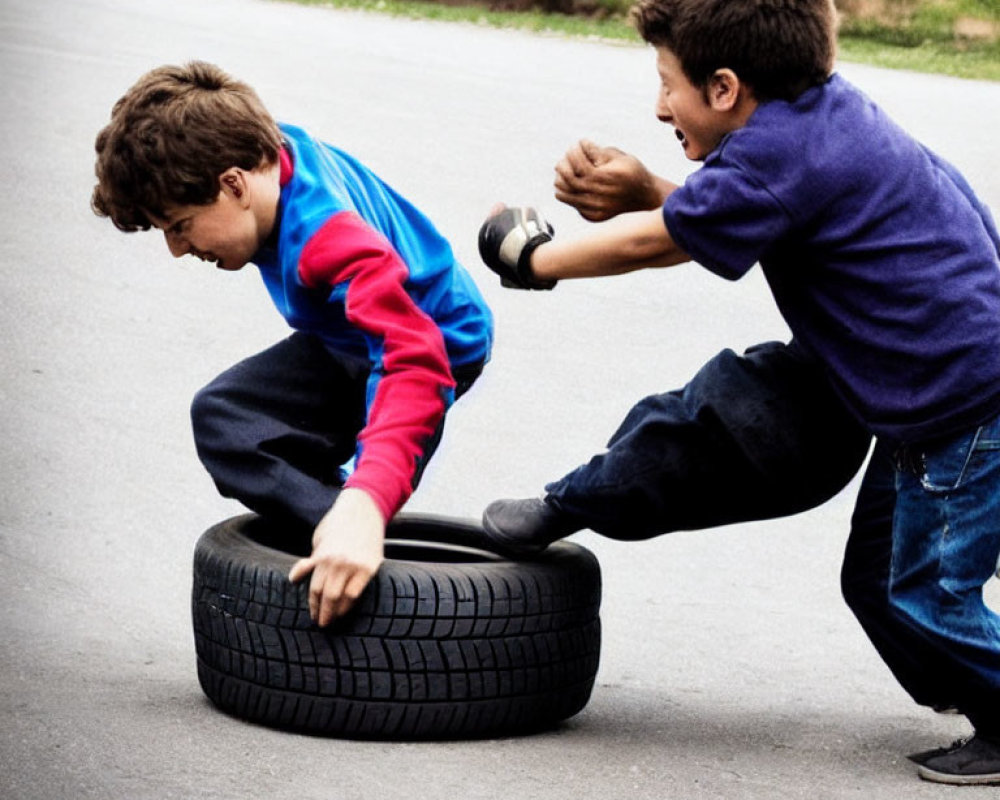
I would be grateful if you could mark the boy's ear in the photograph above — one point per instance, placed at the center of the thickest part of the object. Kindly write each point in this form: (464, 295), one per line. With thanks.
(233, 181)
(724, 89)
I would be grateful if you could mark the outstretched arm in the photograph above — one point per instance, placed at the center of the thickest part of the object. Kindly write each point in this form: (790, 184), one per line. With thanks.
(517, 244)
(603, 182)
(626, 244)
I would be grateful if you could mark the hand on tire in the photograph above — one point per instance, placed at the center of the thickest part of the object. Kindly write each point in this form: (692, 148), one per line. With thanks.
(507, 239)
(347, 552)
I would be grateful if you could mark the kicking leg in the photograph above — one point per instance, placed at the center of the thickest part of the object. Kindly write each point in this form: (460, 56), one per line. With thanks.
(751, 437)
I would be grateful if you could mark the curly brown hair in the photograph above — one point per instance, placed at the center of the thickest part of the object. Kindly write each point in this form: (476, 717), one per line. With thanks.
(779, 48)
(170, 138)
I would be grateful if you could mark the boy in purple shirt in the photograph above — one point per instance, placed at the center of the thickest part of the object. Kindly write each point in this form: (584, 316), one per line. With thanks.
(886, 268)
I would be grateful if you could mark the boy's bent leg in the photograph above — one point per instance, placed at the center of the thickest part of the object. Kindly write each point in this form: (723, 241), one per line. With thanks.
(946, 545)
(864, 581)
(273, 430)
(751, 437)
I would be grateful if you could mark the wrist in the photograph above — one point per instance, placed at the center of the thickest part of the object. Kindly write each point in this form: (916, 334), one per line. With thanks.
(660, 189)
(540, 264)
(360, 499)
(352, 504)
(526, 271)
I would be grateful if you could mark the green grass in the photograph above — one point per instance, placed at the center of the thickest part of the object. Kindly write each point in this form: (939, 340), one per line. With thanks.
(927, 35)
(921, 39)
(613, 28)
(980, 63)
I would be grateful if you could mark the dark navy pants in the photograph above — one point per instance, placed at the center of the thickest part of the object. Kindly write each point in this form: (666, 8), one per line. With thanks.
(751, 437)
(759, 436)
(274, 430)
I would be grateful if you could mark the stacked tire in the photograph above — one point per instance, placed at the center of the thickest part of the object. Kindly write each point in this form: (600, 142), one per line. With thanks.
(448, 641)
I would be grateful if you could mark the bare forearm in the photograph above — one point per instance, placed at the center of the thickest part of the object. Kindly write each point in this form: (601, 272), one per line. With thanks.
(662, 189)
(625, 244)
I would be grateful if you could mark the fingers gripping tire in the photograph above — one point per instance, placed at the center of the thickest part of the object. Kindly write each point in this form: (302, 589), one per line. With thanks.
(447, 641)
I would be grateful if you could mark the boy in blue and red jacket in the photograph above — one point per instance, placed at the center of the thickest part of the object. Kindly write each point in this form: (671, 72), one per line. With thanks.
(333, 426)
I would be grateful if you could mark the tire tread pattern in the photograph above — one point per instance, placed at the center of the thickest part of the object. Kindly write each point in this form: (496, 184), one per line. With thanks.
(431, 649)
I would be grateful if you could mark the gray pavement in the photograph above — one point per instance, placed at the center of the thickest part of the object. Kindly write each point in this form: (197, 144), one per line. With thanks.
(730, 667)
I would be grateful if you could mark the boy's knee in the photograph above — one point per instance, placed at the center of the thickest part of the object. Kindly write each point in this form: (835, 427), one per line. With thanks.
(207, 407)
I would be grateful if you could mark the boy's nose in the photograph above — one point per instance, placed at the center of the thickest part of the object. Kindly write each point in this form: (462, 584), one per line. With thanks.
(176, 244)
(662, 110)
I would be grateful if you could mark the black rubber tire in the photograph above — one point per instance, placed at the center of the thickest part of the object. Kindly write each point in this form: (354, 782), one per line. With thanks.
(448, 640)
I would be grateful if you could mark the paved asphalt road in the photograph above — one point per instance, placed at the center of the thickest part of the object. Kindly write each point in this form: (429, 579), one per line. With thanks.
(730, 667)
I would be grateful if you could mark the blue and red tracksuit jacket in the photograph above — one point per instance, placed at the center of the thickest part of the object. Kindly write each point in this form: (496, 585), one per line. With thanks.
(361, 268)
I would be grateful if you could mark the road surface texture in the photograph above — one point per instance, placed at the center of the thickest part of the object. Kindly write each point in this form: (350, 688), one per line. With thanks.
(730, 666)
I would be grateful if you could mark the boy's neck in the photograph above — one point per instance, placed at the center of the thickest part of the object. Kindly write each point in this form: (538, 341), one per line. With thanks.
(266, 183)
(744, 108)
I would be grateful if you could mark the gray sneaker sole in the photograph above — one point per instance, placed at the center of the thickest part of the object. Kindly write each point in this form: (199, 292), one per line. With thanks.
(986, 779)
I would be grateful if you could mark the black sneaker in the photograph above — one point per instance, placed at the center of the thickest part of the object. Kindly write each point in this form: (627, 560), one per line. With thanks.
(973, 762)
(925, 755)
(524, 528)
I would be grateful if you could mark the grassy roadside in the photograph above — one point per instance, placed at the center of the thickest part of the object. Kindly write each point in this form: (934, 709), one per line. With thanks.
(919, 42)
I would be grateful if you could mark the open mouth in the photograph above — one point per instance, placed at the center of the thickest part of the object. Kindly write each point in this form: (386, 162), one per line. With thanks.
(680, 136)
(211, 259)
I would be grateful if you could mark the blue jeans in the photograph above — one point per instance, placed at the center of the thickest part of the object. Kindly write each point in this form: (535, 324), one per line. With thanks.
(924, 540)
(945, 546)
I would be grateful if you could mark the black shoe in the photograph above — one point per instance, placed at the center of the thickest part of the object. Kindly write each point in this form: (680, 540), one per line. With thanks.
(524, 528)
(973, 762)
(925, 755)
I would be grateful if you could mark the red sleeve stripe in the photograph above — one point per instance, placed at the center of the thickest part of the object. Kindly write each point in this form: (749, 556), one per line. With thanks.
(410, 399)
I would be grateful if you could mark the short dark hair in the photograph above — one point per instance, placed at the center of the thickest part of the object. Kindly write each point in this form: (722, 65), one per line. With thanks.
(779, 48)
(170, 138)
